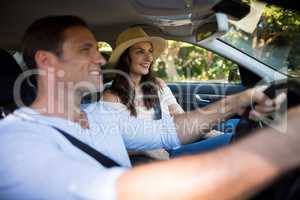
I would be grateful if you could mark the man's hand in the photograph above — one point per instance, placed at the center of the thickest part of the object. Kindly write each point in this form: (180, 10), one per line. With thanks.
(262, 105)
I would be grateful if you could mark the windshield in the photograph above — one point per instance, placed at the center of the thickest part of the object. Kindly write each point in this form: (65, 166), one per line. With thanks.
(274, 40)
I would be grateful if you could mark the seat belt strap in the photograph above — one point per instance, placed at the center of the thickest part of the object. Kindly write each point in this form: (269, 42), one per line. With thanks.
(101, 158)
(157, 110)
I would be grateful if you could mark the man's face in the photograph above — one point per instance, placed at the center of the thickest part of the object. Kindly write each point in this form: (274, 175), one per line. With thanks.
(80, 60)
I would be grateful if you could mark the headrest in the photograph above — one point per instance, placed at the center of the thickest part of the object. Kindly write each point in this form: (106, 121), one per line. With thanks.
(10, 72)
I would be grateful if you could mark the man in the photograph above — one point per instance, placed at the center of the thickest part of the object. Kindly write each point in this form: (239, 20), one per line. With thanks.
(39, 162)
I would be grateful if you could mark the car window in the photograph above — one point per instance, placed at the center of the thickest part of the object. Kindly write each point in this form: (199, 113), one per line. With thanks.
(275, 40)
(104, 48)
(190, 63)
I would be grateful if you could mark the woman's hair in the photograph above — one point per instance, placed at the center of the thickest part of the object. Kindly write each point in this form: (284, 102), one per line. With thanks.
(123, 88)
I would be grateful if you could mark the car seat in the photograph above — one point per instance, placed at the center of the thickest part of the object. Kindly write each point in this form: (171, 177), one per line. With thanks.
(10, 72)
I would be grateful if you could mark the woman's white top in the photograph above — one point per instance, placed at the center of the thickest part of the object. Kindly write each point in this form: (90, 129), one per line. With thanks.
(166, 99)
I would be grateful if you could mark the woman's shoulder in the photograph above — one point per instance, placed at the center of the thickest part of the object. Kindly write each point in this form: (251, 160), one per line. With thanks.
(110, 97)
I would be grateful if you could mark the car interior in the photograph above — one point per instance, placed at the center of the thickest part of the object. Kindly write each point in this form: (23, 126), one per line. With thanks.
(174, 20)
(197, 22)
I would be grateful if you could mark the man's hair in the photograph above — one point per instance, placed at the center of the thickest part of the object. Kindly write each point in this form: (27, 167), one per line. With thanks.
(47, 34)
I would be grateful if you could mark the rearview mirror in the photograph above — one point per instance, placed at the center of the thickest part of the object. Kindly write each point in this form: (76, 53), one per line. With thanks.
(217, 26)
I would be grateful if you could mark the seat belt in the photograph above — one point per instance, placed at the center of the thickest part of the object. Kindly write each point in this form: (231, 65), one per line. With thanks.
(101, 158)
(157, 109)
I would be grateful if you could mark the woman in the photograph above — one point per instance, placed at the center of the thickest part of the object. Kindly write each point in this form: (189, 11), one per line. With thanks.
(134, 88)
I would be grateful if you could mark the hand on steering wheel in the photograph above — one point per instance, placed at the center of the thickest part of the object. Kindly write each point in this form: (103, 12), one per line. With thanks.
(266, 104)
(249, 120)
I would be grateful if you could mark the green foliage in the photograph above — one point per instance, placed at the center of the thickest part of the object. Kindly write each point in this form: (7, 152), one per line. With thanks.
(104, 47)
(193, 63)
(159, 70)
(281, 20)
(275, 40)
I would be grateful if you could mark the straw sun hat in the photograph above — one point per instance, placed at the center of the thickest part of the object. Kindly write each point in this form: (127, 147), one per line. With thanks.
(132, 36)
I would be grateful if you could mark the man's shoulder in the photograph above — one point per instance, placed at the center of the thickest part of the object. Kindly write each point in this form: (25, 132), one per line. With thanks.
(17, 136)
(15, 127)
(99, 106)
(11, 122)
(102, 113)
(102, 108)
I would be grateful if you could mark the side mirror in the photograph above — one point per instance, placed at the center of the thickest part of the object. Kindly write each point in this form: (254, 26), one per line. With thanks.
(217, 26)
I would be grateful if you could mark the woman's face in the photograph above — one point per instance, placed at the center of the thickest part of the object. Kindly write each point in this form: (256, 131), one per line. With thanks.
(141, 58)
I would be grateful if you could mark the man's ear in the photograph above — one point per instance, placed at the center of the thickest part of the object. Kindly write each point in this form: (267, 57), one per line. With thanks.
(45, 59)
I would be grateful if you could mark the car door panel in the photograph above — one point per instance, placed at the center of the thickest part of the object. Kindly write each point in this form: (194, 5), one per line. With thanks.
(196, 95)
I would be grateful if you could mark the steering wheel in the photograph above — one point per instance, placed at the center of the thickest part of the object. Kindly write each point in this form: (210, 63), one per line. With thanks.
(287, 187)
(291, 87)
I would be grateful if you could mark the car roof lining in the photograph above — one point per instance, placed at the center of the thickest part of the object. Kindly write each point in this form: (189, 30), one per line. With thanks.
(17, 15)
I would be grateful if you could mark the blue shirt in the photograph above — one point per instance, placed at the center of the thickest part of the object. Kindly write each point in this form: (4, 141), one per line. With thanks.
(37, 162)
